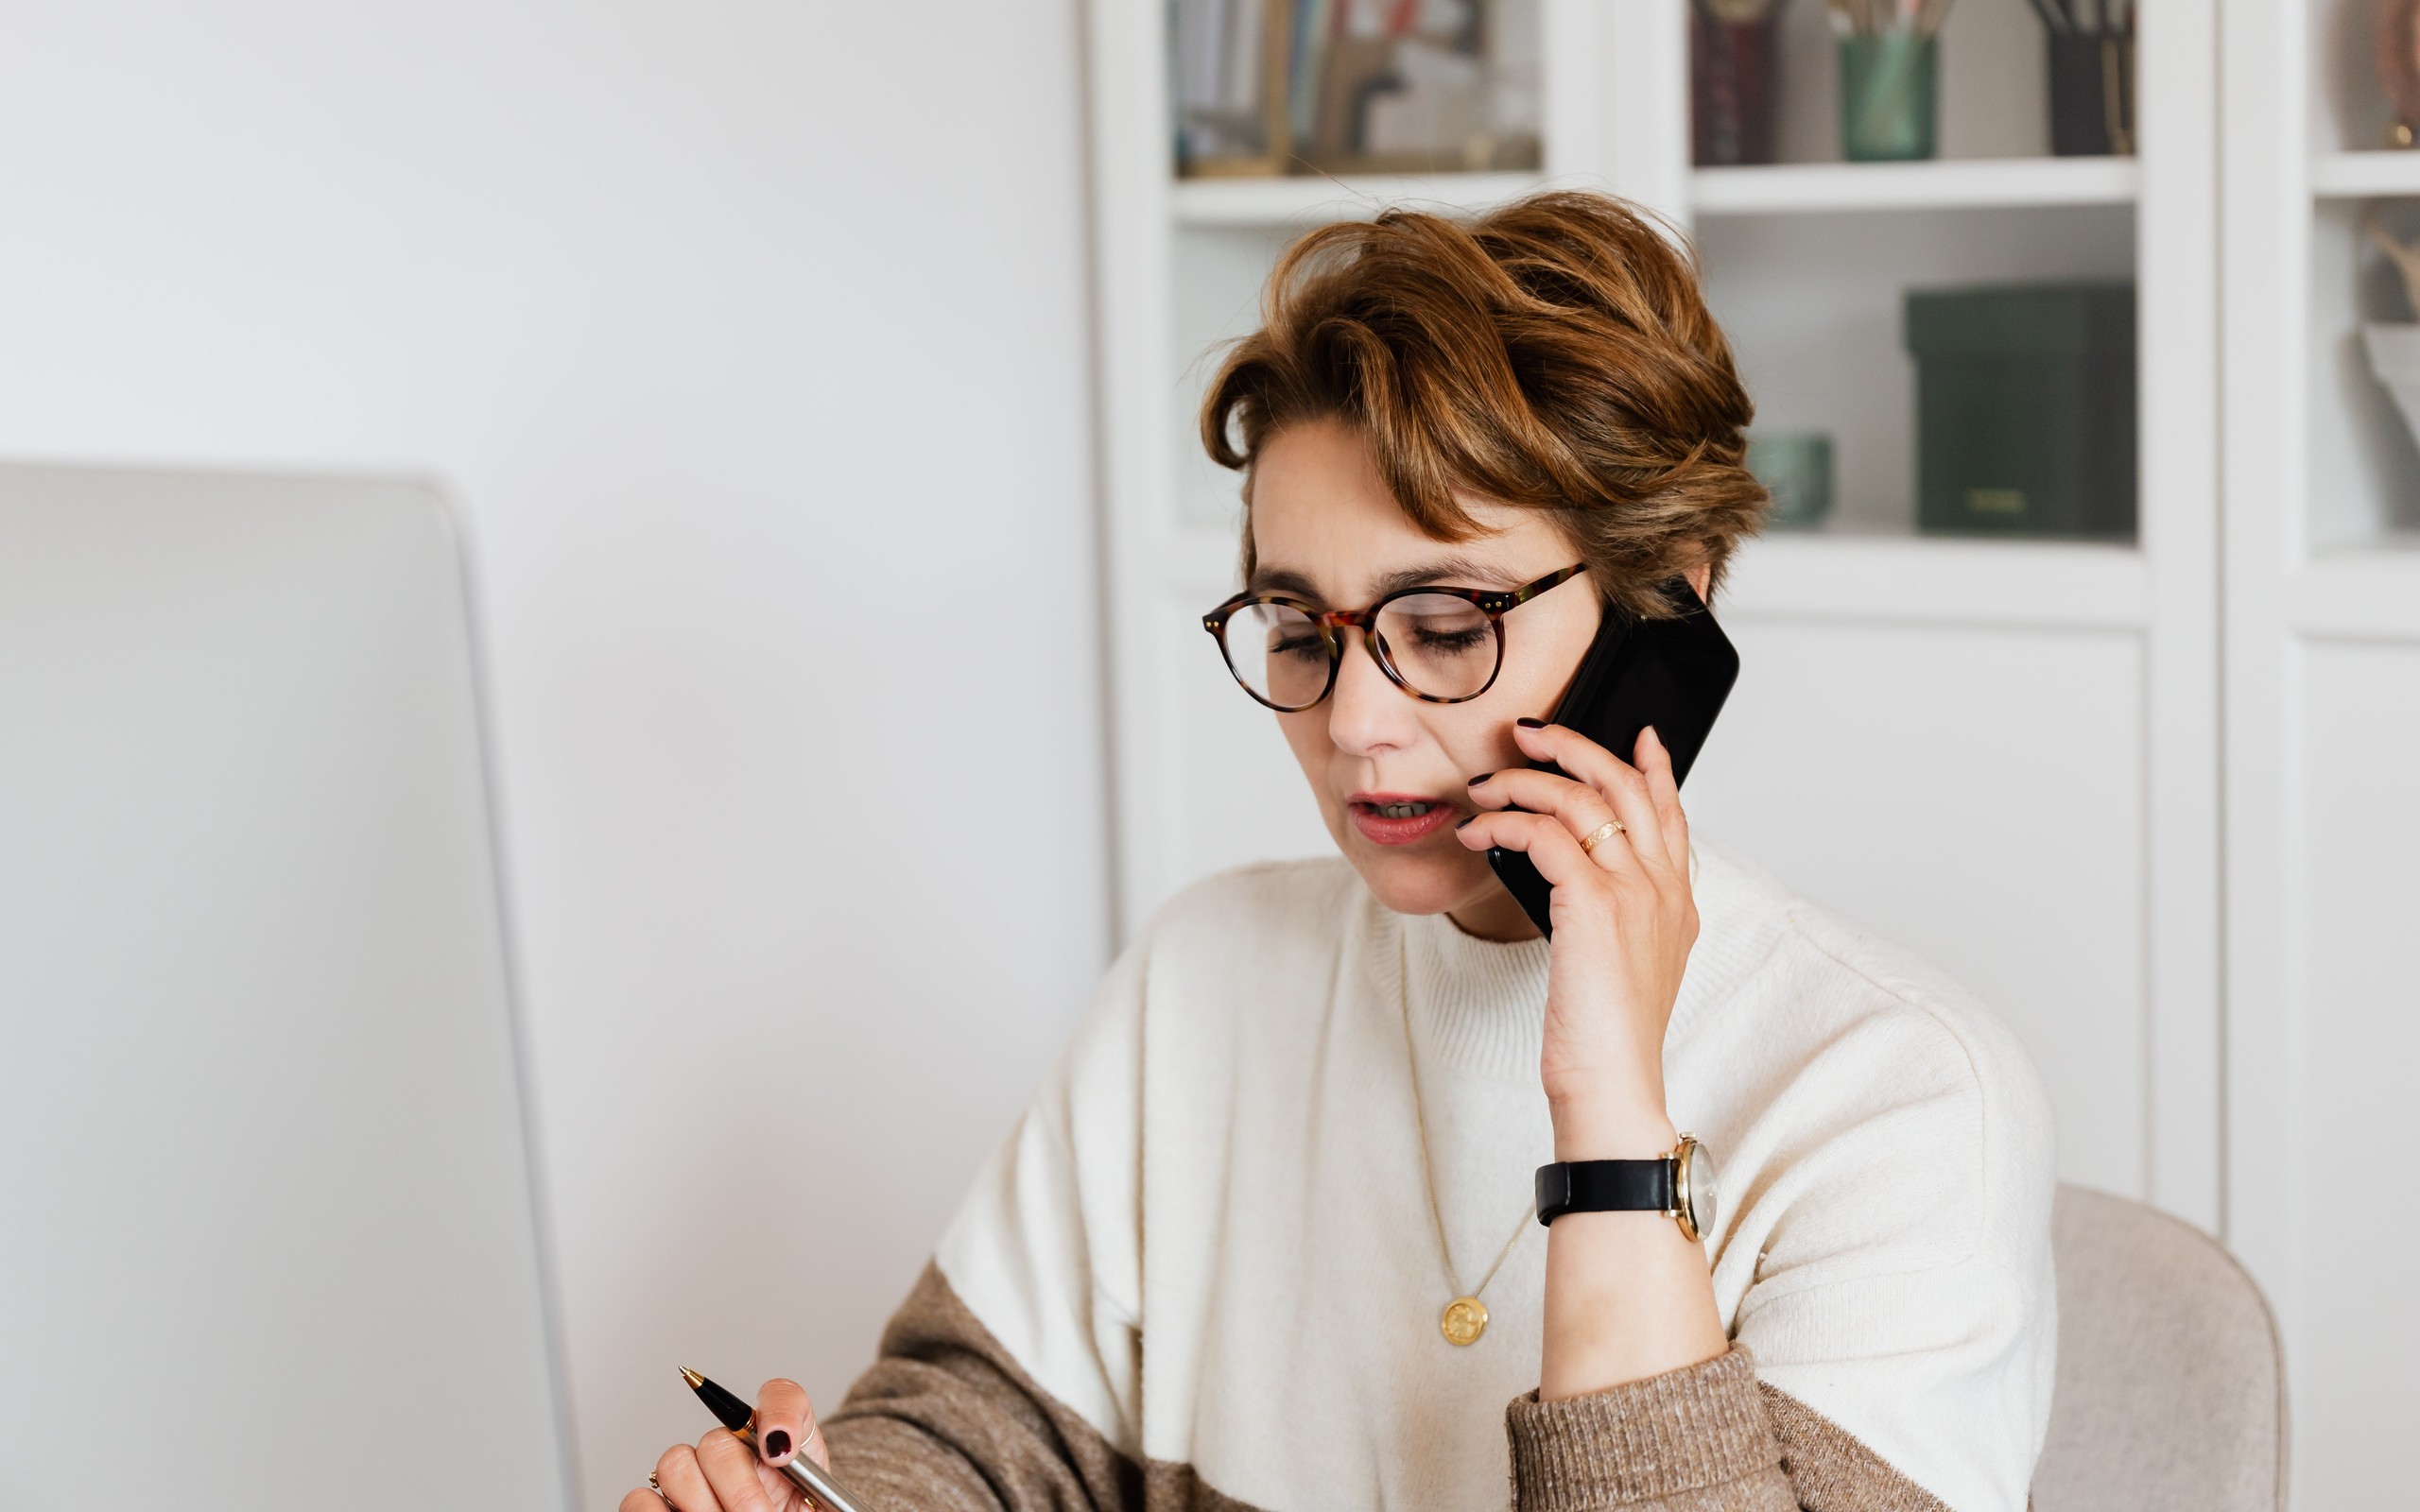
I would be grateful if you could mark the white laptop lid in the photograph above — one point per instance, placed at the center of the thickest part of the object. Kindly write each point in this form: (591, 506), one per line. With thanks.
(266, 1238)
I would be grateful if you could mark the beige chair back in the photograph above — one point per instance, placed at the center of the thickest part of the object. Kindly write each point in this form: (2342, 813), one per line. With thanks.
(2172, 1387)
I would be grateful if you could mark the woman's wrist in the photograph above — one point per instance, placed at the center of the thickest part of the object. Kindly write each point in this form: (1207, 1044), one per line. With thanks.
(1597, 1127)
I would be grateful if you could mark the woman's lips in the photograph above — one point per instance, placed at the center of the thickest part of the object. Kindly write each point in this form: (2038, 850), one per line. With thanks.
(1414, 818)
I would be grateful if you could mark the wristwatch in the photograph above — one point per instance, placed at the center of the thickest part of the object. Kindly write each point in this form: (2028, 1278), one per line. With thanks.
(1679, 1185)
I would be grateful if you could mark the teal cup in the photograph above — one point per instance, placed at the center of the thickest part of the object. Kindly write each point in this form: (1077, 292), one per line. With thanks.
(1890, 96)
(1797, 468)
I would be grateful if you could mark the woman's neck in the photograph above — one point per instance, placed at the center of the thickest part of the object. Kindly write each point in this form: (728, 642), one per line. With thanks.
(1493, 915)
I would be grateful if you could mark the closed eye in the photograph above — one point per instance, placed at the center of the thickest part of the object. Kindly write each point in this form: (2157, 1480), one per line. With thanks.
(1451, 641)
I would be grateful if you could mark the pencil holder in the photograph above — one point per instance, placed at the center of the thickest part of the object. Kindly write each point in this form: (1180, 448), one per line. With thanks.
(1890, 96)
(2092, 95)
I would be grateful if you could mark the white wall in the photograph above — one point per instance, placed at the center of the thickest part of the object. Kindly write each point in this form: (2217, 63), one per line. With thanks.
(751, 337)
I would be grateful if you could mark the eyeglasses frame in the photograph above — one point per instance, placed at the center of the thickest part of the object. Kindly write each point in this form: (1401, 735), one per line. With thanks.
(1494, 603)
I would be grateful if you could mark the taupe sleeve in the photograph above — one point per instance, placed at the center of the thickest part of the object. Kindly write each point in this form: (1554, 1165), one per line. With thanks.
(1831, 1469)
(1689, 1440)
(945, 1421)
(1699, 1439)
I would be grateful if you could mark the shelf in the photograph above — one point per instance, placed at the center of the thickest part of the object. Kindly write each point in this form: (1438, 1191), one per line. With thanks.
(1899, 579)
(2359, 593)
(1932, 580)
(1310, 199)
(2362, 175)
(1805, 188)
(1798, 188)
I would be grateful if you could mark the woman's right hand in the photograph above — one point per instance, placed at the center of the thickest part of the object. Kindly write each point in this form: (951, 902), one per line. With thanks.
(721, 1474)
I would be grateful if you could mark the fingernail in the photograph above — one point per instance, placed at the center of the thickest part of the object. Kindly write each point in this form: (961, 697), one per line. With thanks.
(1466, 823)
(1527, 723)
(1482, 778)
(777, 1444)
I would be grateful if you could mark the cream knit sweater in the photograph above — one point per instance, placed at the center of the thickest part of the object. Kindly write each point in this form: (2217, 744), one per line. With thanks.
(1201, 1271)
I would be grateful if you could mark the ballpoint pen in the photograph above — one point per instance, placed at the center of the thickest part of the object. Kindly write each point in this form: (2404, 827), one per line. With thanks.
(804, 1472)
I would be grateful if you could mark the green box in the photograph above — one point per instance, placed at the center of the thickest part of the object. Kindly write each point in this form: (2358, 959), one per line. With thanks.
(2025, 409)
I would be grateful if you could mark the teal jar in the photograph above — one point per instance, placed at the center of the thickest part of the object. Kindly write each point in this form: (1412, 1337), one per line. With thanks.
(1795, 469)
(1890, 96)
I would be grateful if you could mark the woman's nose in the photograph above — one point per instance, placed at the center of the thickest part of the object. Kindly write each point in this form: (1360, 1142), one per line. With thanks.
(1367, 712)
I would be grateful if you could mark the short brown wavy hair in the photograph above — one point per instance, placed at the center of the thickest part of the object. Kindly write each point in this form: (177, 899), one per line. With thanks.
(1555, 353)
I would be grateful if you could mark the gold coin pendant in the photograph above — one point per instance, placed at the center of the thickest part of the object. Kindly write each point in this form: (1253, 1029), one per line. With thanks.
(1463, 1321)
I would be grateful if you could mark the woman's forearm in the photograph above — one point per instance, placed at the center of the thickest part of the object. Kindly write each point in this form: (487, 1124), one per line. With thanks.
(1627, 1294)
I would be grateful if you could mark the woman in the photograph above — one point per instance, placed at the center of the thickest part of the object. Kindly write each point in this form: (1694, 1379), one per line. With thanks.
(1265, 1239)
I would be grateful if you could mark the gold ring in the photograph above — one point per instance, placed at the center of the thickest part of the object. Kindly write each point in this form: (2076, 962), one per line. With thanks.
(1589, 842)
(657, 1490)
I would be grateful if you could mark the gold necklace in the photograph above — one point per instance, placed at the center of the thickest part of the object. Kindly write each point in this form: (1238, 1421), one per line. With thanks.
(1465, 1318)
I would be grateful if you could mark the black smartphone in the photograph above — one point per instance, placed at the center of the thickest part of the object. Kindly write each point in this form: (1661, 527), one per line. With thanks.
(1670, 673)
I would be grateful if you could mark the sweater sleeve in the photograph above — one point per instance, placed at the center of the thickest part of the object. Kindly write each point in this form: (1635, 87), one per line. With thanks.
(946, 1421)
(1690, 1440)
(1709, 1438)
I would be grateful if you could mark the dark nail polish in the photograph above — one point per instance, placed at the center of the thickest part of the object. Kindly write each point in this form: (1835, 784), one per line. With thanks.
(1482, 778)
(777, 1444)
(1527, 723)
(1466, 823)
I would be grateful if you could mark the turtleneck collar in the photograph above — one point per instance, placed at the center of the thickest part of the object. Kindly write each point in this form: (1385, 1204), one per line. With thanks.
(1478, 1006)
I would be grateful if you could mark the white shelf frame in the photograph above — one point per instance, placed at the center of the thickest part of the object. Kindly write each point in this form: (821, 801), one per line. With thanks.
(1982, 183)
(1809, 188)
(1922, 580)
(2287, 598)
(2364, 174)
(1310, 201)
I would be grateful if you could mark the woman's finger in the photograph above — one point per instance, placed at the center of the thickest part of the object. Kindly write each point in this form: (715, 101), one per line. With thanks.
(1581, 808)
(1549, 847)
(642, 1500)
(740, 1485)
(786, 1424)
(1616, 780)
(682, 1482)
(1656, 765)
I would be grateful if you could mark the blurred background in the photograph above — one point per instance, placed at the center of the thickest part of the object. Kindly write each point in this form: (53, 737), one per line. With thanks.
(774, 351)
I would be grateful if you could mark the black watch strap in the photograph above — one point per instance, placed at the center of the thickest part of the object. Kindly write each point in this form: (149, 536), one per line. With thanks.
(1604, 1186)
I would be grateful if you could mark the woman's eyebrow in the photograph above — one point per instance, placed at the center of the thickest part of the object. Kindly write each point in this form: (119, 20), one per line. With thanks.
(1281, 580)
(1458, 570)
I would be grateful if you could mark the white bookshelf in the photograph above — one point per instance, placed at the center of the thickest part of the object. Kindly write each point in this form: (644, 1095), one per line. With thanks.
(2323, 709)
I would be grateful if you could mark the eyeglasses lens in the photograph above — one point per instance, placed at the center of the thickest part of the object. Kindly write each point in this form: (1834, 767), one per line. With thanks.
(1442, 646)
(1278, 653)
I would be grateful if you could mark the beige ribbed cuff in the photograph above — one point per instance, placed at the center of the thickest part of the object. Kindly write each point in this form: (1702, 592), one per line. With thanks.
(1649, 1441)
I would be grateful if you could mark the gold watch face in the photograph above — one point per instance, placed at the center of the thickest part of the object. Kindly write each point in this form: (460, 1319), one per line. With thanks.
(1698, 1195)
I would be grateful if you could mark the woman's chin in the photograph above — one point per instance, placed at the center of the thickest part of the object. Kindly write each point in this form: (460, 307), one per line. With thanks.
(1422, 880)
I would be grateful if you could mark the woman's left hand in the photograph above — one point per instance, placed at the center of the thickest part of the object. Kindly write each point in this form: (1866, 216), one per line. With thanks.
(1624, 921)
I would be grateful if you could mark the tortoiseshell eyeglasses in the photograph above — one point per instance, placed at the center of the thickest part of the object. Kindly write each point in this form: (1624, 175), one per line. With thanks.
(1439, 644)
